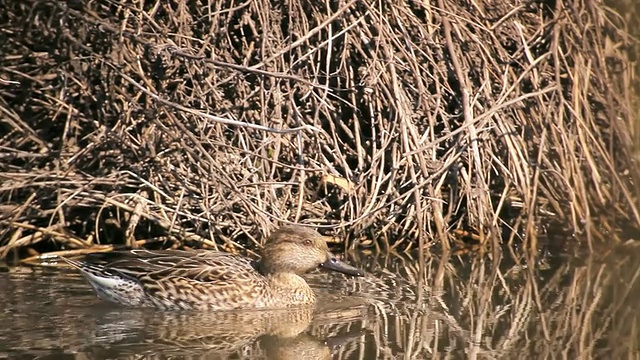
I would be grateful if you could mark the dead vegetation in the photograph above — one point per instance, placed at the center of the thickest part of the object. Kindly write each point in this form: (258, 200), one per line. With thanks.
(177, 124)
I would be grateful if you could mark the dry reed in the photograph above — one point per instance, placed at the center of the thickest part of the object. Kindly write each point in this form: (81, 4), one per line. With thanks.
(178, 124)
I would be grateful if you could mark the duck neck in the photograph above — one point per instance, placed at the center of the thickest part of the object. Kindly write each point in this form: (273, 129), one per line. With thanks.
(263, 267)
(290, 289)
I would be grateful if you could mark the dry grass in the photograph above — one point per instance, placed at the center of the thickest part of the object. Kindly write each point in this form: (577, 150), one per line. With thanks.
(184, 125)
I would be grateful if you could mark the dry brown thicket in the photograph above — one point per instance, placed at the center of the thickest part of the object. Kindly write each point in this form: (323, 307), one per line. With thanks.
(189, 124)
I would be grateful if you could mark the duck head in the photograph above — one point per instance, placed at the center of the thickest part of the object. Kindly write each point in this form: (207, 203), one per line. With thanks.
(297, 249)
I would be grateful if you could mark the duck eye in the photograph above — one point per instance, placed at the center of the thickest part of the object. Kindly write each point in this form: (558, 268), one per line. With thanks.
(306, 242)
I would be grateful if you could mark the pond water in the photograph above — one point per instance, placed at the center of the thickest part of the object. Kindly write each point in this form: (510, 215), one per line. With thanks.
(569, 307)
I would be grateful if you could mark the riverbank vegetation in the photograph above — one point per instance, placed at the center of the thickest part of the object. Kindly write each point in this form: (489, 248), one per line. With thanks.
(395, 125)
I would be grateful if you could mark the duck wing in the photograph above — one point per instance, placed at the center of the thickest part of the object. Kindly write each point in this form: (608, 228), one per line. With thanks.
(192, 264)
(188, 279)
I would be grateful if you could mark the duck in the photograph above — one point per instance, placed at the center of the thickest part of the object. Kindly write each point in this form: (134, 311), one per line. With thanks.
(214, 280)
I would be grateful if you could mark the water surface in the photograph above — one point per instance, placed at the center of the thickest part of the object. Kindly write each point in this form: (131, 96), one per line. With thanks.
(464, 308)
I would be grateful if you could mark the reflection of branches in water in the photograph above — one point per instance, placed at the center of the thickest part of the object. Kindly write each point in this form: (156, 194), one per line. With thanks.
(581, 308)
(404, 316)
(590, 308)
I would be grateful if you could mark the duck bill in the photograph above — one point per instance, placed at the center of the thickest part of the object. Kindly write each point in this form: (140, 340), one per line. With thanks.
(336, 265)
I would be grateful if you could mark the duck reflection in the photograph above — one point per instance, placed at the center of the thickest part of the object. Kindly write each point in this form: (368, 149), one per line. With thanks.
(305, 346)
(271, 334)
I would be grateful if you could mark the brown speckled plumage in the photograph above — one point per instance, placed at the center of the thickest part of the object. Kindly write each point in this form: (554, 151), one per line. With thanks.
(206, 280)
